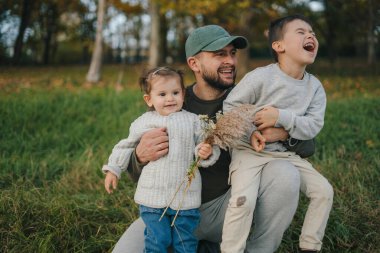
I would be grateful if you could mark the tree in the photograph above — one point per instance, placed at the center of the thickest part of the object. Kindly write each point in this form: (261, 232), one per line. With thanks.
(371, 55)
(25, 20)
(155, 48)
(94, 73)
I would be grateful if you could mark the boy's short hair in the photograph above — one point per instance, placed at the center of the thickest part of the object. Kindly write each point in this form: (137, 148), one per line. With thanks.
(148, 76)
(276, 29)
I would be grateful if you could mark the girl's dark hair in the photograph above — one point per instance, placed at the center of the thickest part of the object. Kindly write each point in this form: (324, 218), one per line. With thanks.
(147, 77)
(276, 29)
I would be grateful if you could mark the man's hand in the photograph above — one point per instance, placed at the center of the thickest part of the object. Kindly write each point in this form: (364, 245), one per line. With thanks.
(204, 151)
(273, 134)
(153, 145)
(110, 180)
(267, 117)
(257, 141)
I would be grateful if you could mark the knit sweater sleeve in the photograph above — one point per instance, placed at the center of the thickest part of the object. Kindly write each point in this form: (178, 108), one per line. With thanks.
(307, 126)
(120, 157)
(198, 140)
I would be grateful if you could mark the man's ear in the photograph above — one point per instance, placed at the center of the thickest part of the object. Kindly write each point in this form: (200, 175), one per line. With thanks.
(193, 63)
(147, 100)
(278, 47)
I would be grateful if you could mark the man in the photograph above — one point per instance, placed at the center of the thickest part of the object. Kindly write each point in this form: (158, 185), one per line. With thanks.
(211, 55)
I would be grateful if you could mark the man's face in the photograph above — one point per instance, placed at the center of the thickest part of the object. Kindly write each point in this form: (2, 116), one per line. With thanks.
(218, 68)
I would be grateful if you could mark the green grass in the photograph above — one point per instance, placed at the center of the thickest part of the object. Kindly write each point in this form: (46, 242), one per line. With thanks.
(56, 134)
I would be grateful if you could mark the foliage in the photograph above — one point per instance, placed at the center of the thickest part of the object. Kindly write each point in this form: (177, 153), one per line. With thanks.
(56, 134)
(51, 23)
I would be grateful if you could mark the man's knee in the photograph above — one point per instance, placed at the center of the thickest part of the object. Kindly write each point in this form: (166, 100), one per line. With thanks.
(282, 176)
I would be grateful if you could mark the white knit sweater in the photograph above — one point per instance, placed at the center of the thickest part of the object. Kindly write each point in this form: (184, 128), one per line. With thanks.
(159, 179)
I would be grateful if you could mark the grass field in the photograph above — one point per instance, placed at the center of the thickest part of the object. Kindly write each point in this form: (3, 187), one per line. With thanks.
(57, 132)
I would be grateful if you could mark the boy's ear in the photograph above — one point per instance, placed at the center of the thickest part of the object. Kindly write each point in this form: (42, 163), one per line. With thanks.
(278, 47)
(147, 100)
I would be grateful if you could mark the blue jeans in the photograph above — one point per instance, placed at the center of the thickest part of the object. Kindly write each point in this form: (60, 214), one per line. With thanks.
(159, 235)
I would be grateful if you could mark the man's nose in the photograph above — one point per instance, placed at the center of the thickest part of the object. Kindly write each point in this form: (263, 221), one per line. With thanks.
(230, 59)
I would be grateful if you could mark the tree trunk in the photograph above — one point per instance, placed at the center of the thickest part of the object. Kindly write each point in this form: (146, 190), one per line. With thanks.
(243, 54)
(163, 44)
(181, 38)
(25, 18)
(371, 57)
(155, 55)
(331, 15)
(94, 73)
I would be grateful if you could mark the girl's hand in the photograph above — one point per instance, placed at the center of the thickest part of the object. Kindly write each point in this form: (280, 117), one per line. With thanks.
(110, 180)
(204, 151)
(257, 141)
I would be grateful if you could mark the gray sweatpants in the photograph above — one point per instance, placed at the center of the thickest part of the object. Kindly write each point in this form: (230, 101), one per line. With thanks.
(275, 207)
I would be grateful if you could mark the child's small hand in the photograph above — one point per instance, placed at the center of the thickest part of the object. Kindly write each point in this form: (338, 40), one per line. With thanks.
(257, 141)
(110, 180)
(267, 117)
(204, 151)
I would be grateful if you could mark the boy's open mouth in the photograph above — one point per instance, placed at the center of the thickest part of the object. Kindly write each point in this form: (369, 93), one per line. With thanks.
(309, 46)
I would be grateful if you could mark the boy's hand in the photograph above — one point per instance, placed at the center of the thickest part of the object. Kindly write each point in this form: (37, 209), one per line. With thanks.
(257, 141)
(110, 180)
(204, 151)
(267, 117)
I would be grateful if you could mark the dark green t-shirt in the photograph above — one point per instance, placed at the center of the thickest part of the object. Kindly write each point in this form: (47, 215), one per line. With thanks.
(214, 178)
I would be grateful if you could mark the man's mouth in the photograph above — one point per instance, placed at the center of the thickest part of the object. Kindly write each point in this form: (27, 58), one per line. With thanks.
(310, 46)
(227, 71)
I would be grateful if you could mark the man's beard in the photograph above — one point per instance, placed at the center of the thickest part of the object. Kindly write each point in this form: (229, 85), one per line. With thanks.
(216, 82)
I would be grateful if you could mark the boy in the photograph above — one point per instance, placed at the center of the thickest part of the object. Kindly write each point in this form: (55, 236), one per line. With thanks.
(289, 97)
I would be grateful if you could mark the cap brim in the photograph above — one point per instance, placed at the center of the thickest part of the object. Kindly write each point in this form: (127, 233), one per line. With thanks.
(239, 42)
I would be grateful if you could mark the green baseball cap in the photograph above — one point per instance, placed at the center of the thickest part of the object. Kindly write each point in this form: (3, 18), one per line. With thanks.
(211, 38)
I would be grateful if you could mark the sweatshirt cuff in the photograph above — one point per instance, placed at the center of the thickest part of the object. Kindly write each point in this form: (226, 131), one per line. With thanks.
(284, 119)
(247, 138)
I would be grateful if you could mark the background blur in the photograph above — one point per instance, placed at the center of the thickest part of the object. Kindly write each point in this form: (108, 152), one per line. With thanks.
(68, 92)
(63, 32)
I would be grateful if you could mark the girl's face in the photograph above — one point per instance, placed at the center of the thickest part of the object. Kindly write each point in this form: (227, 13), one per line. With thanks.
(166, 95)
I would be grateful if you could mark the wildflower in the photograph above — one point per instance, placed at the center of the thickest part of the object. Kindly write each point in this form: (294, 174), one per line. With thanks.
(226, 131)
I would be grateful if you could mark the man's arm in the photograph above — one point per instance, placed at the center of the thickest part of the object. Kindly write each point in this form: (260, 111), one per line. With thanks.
(304, 148)
(273, 134)
(153, 145)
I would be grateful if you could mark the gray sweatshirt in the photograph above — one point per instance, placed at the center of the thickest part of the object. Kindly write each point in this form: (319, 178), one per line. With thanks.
(160, 179)
(301, 103)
